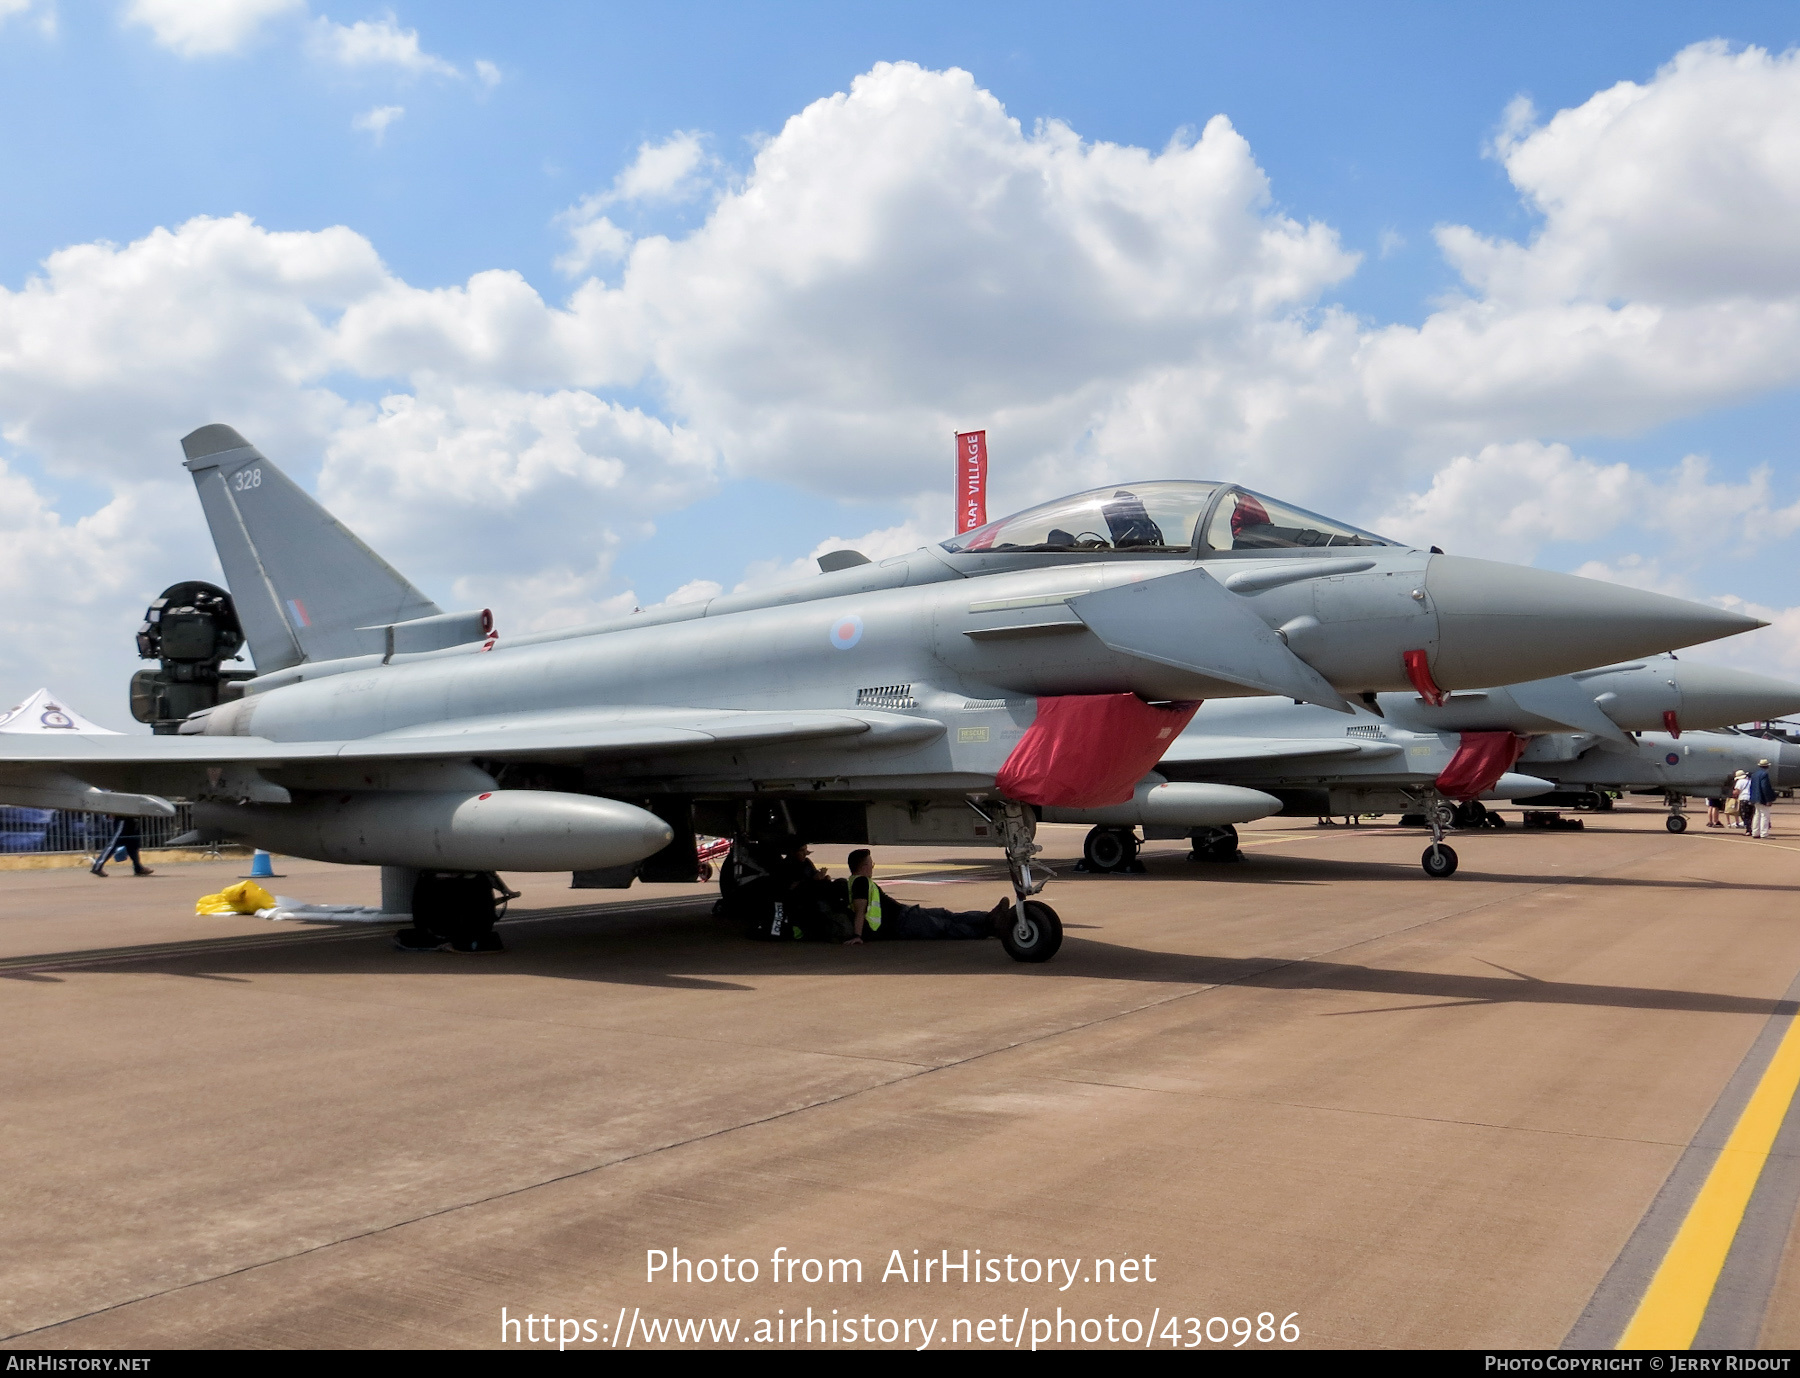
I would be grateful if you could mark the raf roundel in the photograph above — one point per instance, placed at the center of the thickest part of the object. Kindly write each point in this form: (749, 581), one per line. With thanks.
(1672, 759)
(846, 631)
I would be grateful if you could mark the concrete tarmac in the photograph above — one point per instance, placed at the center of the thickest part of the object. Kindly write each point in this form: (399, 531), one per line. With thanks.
(1315, 1085)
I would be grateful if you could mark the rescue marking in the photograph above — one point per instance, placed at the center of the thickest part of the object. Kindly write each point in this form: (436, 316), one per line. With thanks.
(1675, 1303)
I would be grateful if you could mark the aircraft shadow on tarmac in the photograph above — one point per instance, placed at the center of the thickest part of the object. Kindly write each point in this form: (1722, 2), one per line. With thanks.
(682, 947)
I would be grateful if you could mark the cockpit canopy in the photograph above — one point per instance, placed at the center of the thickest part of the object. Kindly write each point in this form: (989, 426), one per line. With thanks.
(1164, 517)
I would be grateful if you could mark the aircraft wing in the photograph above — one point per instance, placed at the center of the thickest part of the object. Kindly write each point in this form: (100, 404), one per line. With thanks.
(1207, 750)
(37, 766)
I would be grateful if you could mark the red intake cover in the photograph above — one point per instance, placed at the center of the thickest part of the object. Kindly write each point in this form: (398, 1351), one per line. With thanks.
(1086, 751)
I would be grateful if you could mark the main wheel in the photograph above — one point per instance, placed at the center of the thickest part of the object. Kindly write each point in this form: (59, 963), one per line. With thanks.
(1110, 849)
(1214, 844)
(1042, 936)
(1676, 823)
(1439, 861)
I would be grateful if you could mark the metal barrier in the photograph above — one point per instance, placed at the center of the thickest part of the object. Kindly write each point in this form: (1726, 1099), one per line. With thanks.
(62, 830)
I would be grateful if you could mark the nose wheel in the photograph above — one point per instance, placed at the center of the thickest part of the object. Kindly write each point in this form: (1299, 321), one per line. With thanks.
(1035, 933)
(1676, 822)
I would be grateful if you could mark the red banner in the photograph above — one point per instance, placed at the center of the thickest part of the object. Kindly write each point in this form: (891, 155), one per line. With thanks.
(971, 480)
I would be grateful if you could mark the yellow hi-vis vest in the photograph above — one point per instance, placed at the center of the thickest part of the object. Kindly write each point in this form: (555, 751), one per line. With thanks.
(872, 915)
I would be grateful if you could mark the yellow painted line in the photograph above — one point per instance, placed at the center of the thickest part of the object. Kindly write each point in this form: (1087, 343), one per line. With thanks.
(1669, 1316)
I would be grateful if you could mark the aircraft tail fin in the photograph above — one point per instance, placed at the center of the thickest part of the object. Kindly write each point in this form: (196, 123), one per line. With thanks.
(306, 588)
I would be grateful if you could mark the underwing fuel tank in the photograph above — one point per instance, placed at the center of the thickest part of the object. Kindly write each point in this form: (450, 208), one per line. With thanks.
(1178, 804)
(495, 830)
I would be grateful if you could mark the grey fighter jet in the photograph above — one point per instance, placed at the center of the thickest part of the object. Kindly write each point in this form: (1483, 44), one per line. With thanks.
(1694, 763)
(1389, 757)
(885, 702)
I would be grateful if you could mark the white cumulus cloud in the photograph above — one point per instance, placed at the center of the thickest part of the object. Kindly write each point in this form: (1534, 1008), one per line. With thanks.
(205, 28)
(376, 121)
(378, 43)
(677, 169)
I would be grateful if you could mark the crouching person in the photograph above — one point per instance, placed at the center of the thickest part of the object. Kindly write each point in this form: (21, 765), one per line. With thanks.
(876, 915)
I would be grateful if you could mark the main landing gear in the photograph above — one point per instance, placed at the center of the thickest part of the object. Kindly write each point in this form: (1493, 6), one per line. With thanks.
(1036, 931)
(1214, 844)
(452, 911)
(1110, 850)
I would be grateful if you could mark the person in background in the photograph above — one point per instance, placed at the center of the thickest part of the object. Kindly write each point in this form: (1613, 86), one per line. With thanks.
(1740, 790)
(877, 915)
(1762, 797)
(130, 837)
(1715, 805)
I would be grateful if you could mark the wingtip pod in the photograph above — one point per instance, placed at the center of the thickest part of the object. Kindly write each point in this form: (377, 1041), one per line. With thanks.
(1500, 623)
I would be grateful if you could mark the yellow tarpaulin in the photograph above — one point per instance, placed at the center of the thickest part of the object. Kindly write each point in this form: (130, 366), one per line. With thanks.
(246, 897)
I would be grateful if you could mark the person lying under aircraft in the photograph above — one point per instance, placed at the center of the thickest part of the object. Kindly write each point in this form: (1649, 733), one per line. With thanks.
(875, 914)
(937, 697)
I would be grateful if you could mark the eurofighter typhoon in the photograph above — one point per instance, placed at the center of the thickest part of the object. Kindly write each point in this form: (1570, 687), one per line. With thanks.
(1440, 755)
(1044, 660)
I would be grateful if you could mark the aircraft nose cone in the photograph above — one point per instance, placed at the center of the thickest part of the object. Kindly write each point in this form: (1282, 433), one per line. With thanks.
(1499, 624)
(1720, 696)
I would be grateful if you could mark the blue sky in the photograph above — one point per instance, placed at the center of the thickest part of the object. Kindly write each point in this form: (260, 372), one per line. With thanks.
(1370, 117)
(1374, 125)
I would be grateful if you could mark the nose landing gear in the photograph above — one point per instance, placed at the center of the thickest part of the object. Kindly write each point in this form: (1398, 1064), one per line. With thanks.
(1676, 822)
(1036, 930)
(1439, 860)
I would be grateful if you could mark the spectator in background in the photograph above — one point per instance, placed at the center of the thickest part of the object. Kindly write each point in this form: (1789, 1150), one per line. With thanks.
(129, 837)
(1762, 796)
